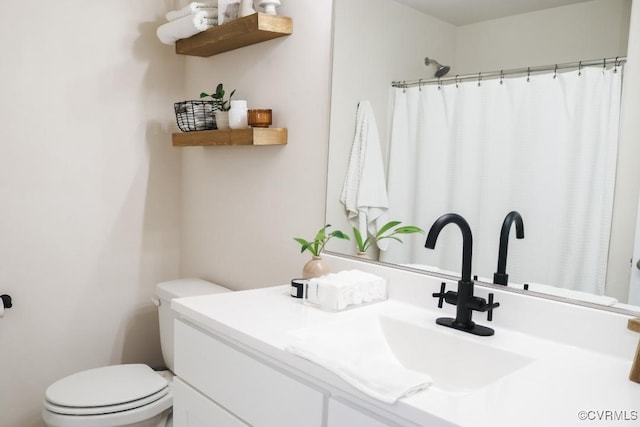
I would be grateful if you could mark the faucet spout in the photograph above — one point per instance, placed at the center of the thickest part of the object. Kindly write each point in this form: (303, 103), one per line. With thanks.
(467, 240)
(463, 298)
(501, 277)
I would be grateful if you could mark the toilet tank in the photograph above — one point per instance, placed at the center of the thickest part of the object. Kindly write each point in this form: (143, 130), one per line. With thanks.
(165, 292)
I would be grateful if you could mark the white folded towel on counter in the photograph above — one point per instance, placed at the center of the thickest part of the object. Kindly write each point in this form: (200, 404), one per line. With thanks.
(336, 291)
(193, 7)
(356, 351)
(185, 27)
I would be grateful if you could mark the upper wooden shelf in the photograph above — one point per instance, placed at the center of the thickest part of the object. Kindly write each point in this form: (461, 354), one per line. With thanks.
(251, 136)
(234, 34)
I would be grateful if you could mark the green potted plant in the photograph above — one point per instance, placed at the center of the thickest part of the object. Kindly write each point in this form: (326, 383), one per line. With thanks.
(316, 266)
(388, 231)
(222, 115)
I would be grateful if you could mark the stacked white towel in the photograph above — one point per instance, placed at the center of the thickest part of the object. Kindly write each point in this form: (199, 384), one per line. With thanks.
(188, 21)
(211, 8)
(352, 287)
(357, 352)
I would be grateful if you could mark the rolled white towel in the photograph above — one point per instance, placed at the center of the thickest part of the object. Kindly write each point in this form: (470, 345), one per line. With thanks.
(193, 7)
(184, 27)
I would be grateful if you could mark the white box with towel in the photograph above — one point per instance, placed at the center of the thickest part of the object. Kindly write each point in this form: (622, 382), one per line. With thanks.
(337, 291)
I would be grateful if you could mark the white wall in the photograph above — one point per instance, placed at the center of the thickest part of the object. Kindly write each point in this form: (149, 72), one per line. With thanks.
(628, 173)
(390, 44)
(590, 30)
(89, 184)
(242, 206)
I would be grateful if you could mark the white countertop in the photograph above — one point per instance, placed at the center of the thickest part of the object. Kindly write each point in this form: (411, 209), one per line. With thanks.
(552, 391)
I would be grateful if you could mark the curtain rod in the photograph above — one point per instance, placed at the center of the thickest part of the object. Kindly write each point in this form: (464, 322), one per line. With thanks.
(617, 61)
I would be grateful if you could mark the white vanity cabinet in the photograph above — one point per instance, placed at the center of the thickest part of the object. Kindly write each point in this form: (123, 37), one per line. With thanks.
(220, 385)
(342, 414)
(193, 409)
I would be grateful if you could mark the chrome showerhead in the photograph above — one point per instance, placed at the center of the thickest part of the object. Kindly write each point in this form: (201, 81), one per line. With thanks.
(441, 70)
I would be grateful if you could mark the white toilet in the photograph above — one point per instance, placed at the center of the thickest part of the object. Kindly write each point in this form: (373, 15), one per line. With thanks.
(124, 395)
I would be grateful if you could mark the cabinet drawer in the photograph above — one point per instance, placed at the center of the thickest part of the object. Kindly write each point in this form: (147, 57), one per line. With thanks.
(192, 409)
(256, 393)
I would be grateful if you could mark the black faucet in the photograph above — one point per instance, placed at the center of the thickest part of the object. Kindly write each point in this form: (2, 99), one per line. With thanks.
(501, 277)
(464, 300)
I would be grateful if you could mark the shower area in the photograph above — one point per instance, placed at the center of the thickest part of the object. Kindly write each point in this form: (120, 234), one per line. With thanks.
(538, 140)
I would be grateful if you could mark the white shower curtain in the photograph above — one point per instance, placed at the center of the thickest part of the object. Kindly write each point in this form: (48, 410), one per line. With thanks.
(544, 147)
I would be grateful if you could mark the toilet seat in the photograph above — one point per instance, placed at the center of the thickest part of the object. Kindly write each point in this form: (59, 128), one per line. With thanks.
(106, 390)
(109, 409)
(127, 394)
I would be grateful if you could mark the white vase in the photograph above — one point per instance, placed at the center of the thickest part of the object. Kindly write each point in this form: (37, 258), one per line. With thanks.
(269, 6)
(222, 120)
(246, 8)
(238, 115)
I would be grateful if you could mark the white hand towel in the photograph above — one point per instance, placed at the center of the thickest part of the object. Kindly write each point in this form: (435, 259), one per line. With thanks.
(357, 352)
(330, 292)
(369, 286)
(364, 193)
(193, 7)
(184, 27)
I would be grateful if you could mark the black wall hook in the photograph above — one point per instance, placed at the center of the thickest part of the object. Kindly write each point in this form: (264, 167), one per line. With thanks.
(6, 301)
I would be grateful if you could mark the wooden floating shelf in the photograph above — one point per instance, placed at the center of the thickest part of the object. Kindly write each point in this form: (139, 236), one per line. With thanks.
(251, 136)
(234, 34)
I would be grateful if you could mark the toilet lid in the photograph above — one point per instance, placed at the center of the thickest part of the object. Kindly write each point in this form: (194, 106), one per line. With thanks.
(107, 386)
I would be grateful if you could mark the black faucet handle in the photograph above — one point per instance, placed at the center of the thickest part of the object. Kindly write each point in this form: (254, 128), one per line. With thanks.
(440, 295)
(490, 306)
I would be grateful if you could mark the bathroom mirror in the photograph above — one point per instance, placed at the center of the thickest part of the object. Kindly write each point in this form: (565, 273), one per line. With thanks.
(366, 60)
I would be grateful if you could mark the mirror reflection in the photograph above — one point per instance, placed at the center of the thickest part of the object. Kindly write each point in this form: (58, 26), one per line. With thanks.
(507, 155)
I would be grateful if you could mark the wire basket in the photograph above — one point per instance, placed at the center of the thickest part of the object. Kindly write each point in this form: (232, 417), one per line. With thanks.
(196, 115)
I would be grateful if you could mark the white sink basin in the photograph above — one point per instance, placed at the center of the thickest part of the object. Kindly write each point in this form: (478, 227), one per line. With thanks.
(455, 361)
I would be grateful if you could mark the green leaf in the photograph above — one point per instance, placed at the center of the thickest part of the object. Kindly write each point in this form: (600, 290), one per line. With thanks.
(339, 234)
(407, 229)
(358, 237)
(204, 94)
(390, 237)
(386, 227)
(321, 234)
(305, 245)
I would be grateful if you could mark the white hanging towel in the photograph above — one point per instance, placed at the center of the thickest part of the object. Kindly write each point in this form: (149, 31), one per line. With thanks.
(364, 193)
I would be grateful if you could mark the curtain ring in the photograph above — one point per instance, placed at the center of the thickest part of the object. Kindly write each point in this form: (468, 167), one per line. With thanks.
(420, 85)
(501, 76)
(604, 65)
(528, 74)
(439, 83)
(457, 80)
(555, 71)
(615, 65)
(404, 86)
(580, 68)
(479, 78)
